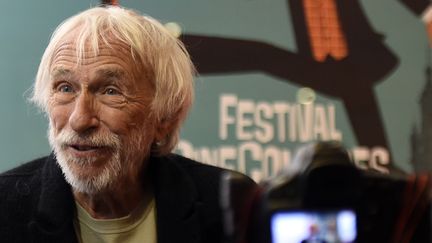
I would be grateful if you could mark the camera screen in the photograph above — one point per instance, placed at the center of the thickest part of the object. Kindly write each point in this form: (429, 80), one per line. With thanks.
(313, 226)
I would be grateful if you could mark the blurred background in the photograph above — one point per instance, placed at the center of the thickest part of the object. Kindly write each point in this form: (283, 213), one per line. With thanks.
(273, 75)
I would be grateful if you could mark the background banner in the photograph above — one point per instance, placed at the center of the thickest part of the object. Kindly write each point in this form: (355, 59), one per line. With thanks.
(273, 75)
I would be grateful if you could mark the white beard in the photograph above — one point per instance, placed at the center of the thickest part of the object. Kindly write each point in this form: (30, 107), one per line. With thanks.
(79, 183)
(113, 169)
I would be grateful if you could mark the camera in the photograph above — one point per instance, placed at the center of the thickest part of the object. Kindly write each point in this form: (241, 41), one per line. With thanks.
(323, 197)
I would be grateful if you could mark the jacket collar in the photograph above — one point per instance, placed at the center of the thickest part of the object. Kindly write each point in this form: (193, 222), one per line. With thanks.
(177, 203)
(53, 221)
(176, 198)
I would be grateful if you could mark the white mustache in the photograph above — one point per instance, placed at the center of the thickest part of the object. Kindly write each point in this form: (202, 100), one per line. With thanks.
(69, 137)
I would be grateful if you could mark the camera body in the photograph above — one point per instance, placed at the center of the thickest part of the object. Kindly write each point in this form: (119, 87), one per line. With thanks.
(323, 197)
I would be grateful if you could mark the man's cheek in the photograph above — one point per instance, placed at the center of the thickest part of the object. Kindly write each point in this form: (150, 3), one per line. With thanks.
(58, 119)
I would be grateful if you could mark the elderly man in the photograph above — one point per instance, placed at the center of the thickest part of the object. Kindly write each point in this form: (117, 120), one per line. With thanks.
(116, 87)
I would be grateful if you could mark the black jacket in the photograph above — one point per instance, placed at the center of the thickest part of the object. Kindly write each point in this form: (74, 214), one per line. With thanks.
(37, 205)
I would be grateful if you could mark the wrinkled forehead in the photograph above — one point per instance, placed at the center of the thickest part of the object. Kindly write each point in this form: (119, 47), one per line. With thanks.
(86, 52)
(74, 49)
(93, 46)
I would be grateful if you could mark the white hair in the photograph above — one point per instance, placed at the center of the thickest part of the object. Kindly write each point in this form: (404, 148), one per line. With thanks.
(163, 57)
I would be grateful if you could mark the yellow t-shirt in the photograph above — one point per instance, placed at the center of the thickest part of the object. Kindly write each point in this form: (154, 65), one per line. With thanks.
(139, 226)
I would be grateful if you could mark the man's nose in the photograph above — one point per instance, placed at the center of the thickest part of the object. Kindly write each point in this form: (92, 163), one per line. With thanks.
(84, 116)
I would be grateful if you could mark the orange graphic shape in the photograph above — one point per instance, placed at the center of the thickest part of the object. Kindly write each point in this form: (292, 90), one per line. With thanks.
(325, 32)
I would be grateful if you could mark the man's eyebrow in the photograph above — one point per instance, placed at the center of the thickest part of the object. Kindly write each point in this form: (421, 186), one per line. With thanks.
(60, 72)
(111, 73)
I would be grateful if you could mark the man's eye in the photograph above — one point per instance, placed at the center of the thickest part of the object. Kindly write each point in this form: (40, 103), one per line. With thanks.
(111, 91)
(65, 88)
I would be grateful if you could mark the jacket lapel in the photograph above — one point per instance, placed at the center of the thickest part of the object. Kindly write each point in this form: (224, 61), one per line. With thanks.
(177, 205)
(53, 221)
(177, 202)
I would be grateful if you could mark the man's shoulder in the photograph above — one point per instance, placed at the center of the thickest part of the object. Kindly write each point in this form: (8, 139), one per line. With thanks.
(197, 170)
(205, 176)
(27, 169)
(22, 179)
(191, 164)
(20, 188)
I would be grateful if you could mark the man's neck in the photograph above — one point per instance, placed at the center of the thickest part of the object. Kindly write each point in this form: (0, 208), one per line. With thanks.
(115, 202)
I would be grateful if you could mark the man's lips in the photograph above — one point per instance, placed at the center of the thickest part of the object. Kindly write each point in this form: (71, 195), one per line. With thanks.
(86, 150)
(84, 147)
